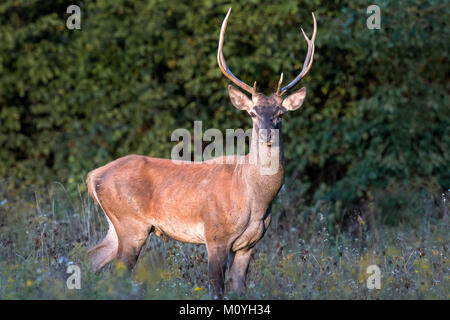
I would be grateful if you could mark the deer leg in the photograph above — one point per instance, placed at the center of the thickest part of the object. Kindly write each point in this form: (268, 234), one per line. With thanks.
(131, 242)
(217, 263)
(106, 250)
(239, 269)
(231, 259)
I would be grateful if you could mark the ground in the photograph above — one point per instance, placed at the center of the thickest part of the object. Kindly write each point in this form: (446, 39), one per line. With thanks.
(302, 256)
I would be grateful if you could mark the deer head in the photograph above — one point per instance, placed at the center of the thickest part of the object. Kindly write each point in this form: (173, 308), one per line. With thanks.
(266, 111)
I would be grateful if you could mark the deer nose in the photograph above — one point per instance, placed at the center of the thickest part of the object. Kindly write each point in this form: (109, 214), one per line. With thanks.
(265, 136)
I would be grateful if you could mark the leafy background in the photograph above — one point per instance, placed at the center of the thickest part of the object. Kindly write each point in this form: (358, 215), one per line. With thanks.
(376, 115)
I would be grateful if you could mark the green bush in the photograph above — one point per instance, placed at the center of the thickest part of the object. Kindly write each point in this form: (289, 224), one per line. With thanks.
(376, 114)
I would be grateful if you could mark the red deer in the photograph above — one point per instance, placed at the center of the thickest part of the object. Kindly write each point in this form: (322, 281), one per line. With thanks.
(225, 206)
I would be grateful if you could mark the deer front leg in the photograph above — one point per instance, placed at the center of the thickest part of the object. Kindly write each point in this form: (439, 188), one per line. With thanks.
(239, 269)
(217, 262)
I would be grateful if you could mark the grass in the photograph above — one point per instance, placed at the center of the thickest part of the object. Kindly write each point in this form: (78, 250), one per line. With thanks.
(299, 257)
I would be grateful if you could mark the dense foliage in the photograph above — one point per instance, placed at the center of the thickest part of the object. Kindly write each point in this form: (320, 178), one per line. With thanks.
(375, 122)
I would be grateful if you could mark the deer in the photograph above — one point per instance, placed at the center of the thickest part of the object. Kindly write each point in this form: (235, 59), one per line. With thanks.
(224, 205)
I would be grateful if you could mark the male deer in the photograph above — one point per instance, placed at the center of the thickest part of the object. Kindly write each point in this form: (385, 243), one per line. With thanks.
(227, 207)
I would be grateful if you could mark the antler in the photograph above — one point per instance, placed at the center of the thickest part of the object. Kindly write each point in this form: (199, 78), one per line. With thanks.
(279, 84)
(223, 65)
(306, 65)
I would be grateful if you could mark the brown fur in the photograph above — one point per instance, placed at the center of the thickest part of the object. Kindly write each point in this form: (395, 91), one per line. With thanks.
(203, 203)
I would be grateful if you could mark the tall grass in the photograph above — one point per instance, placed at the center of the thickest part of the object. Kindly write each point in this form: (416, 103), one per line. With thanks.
(302, 256)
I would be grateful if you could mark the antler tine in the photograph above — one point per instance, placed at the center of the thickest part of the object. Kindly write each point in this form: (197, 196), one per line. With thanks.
(279, 84)
(309, 58)
(223, 65)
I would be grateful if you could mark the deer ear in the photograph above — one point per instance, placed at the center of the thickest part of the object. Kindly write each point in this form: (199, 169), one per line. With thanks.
(295, 100)
(239, 99)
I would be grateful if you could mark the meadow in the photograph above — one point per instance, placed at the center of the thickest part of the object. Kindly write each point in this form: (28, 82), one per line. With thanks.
(302, 256)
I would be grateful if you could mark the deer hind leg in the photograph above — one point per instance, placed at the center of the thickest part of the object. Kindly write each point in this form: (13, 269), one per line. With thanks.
(123, 240)
(106, 250)
(125, 237)
(132, 236)
(125, 243)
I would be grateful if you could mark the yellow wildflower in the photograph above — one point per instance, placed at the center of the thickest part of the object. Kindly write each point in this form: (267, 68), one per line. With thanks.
(120, 266)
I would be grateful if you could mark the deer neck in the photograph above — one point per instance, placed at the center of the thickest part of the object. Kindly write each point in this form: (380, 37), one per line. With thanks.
(265, 171)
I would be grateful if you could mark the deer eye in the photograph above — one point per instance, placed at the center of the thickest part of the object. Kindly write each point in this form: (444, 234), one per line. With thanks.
(278, 115)
(252, 114)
